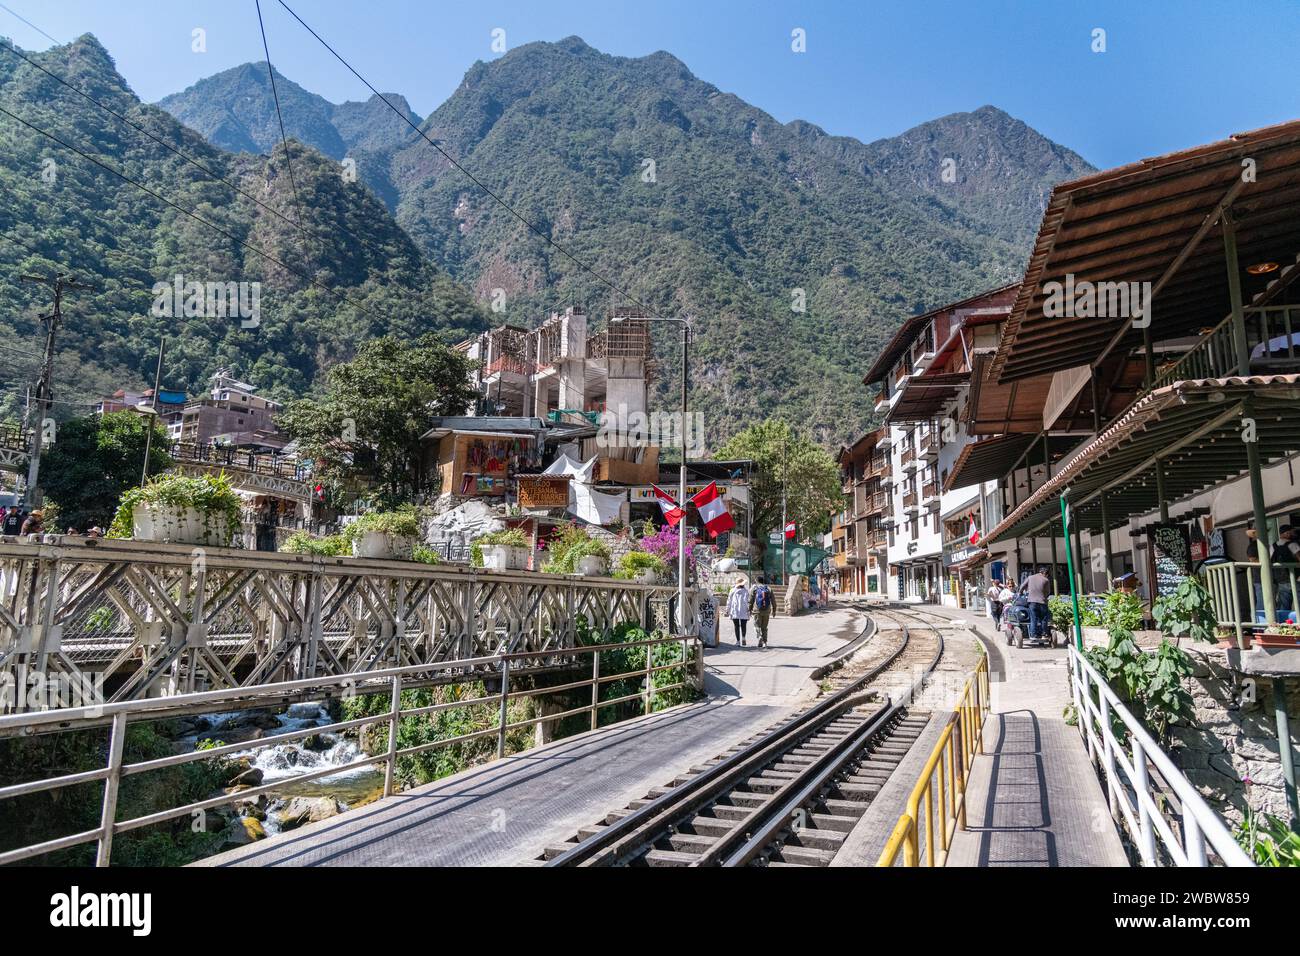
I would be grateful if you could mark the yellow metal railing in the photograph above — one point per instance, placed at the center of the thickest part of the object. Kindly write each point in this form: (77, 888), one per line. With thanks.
(940, 793)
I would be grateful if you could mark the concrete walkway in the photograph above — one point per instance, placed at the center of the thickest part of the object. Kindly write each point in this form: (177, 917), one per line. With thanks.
(1034, 799)
(508, 811)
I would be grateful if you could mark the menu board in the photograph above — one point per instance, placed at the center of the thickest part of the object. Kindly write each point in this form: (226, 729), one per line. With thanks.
(1171, 555)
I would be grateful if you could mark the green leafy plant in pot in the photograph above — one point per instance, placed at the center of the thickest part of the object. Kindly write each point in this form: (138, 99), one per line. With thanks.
(385, 534)
(503, 550)
(178, 509)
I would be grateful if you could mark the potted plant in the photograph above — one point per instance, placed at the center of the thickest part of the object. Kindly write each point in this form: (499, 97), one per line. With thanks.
(1279, 635)
(504, 550)
(330, 546)
(573, 551)
(204, 510)
(641, 566)
(1188, 611)
(384, 534)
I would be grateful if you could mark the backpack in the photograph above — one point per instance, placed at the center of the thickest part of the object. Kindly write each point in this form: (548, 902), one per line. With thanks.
(762, 596)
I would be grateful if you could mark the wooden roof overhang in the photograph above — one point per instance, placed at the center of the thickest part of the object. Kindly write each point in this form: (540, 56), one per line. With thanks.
(924, 397)
(991, 458)
(1160, 221)
(1193, 429)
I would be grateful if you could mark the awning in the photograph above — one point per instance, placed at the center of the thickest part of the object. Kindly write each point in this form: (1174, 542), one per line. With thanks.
(990, 458)
(1155, 221)
(924, 397)
(1194, 430)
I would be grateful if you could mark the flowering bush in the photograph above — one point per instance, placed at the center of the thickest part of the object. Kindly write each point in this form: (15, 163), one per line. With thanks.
(663, 544)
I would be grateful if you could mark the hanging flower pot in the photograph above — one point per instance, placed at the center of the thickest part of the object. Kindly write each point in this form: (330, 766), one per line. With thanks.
(176, 509)
(384, 535)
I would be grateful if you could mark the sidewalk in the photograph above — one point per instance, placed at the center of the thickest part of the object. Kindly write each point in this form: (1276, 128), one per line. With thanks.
(1034, 798)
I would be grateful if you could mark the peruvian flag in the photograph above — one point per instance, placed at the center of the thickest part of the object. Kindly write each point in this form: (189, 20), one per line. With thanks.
(790, 530)
(668, 505)
(713, 512)
(974, 536)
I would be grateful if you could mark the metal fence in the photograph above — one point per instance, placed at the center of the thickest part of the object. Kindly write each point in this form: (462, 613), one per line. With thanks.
(1237, 593)
(687, 662)
(1172, 825)
(158, 619)
(936, 809)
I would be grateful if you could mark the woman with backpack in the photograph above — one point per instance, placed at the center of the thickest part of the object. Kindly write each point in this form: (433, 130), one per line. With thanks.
(738, 609)
(760, 603)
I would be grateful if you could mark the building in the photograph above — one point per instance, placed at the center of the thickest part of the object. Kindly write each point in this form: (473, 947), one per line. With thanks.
(232, 414)
(859, 533)
(563, 370)
(170, 406)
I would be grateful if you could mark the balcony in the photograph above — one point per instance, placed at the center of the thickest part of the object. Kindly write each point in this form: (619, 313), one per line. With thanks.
(909, 501)
(930, 447)
(1272, 341)
(930, 490)
(882, 401)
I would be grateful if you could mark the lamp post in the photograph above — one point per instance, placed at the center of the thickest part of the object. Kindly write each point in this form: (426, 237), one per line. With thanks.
(681, 480)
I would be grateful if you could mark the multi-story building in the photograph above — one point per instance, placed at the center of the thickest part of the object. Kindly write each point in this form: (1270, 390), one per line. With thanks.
(232, 414)
(858, 531)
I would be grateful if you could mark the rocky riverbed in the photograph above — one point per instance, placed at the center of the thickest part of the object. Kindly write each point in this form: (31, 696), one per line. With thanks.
(294, 804)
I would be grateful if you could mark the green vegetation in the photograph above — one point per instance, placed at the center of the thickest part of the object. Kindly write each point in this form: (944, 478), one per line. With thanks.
(1187, 612)
(783, 458)
(329, 546)
(93, 460)
(438, 762)
(45, 816)
(1121, 610)
(570, 545)
(403, 522)
(635, 563)
(1062, 611)
(509, 537)
(211, 495)
(1150, 685)
(1270, 841)
(368, 424)
(122, 242)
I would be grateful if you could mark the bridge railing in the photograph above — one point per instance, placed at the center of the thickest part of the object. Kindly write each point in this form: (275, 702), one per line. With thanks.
(684, 669)
(936, 808)
(1164, 830)
(159, 619)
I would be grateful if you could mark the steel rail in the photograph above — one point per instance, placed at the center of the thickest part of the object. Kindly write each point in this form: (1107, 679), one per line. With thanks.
(629, 837)
(753, 841)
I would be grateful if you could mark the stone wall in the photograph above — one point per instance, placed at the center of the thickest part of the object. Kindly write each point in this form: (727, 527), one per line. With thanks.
(1235, 739)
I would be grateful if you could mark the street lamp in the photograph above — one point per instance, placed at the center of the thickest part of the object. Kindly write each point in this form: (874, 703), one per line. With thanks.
(681, 482)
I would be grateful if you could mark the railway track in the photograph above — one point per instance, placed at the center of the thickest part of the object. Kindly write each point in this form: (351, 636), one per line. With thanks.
(790, 795)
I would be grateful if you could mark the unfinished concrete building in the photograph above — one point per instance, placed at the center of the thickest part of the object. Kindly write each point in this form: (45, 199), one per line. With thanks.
(563, 371)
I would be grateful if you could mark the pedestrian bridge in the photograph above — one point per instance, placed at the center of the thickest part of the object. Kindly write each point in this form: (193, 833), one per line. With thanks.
(147, 620)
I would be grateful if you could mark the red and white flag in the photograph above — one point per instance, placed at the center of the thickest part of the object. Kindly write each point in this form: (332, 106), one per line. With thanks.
(668, 505)
(790, 530)
(974, 536)
(713, 510)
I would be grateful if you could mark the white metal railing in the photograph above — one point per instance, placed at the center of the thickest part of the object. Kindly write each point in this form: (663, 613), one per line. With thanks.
(1150, 821)
(688, 662)
(1237, 593)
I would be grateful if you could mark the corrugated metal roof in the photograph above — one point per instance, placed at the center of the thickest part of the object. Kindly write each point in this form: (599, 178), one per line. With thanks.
(1195, 430)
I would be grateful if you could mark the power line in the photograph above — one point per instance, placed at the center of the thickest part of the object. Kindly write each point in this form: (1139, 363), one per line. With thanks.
(481, 185)
(191, 214)
(202, 167)
(29, 23)
(284, 137)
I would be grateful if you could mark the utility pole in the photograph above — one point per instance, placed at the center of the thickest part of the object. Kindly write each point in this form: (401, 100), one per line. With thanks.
(153, 411)
(785, 467)
(44, 395)
(681, 488)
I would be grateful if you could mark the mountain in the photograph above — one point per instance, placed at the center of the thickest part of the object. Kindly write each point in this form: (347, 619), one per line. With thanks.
(745, 220)
(235, 110)
(350, 273)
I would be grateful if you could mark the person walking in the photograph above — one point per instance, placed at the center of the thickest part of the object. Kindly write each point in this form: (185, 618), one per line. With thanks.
(760, 603)
(738, 609)
(1036, 588)
(993, 595)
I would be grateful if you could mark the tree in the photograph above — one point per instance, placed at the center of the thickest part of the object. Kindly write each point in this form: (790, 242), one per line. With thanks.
(810, 475)
(368, 424)
(96, 458)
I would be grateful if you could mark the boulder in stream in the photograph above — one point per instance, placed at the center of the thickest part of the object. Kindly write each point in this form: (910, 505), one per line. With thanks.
(300, 810)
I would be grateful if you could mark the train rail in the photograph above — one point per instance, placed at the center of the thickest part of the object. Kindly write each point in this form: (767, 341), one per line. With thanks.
(789, 795)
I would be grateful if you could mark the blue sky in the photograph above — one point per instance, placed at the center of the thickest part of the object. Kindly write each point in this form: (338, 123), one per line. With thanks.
(1175, 73)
